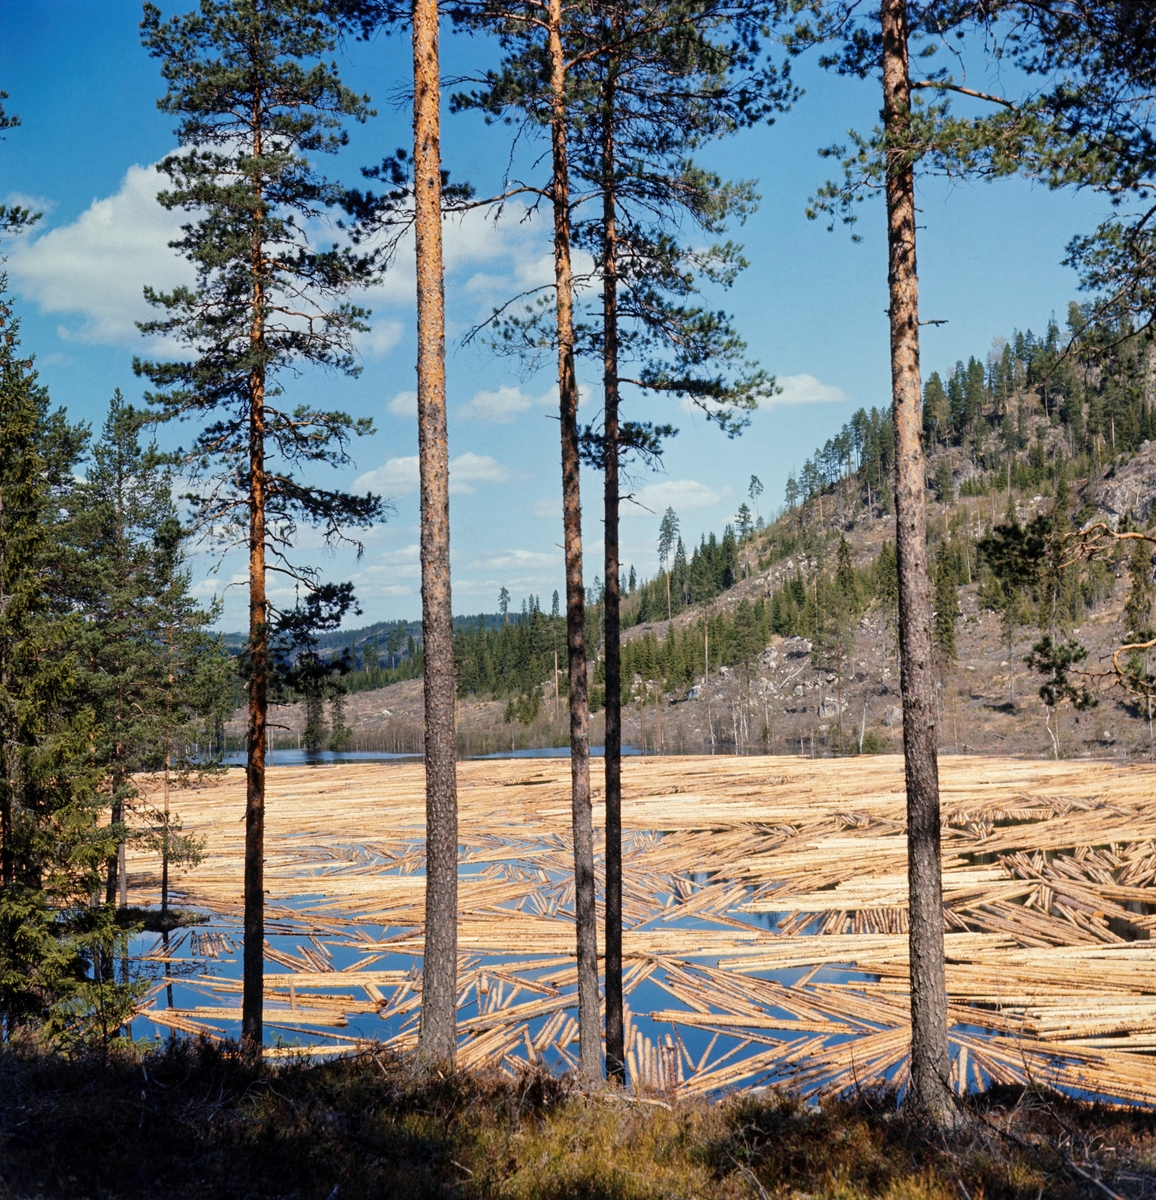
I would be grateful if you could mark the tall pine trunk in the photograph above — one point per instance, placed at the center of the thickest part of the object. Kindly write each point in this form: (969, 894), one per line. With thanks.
(930, 1090)
(440, 971)
(589, 1031)
(253, 971)
(253, 967)
(615, 1050)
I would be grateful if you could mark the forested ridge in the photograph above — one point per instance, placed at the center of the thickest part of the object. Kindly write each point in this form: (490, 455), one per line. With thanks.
(1048, 415)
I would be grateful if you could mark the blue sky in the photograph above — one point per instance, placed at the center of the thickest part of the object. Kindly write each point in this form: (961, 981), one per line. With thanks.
(811, 305)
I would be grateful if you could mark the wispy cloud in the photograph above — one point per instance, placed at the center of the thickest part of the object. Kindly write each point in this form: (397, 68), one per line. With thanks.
(400, 476)
(683, 495)
(404, 404)
(805, 389)
(501, 407)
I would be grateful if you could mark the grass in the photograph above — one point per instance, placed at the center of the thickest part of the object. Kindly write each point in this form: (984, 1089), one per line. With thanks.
(193, 1121)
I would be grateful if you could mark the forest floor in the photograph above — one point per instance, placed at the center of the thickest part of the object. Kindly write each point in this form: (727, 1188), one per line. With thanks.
(190, 1122)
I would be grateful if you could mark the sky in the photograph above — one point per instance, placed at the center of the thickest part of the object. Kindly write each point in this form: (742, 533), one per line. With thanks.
(811, 305)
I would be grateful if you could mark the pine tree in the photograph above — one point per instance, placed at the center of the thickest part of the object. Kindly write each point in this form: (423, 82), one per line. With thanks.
(913, 136)
(1094, 59)
(253, 101)
(1138, 622)
(439, 972)
(14, 218)
(536, 79)
(667, 536)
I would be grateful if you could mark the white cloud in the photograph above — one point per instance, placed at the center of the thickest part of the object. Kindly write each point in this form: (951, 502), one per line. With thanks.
(502, 406)
(397, 477)
(468, 469)
(36, 204)
(475, 239)
(805, 389)
(400, 476)
(518, 560)
(96, 267)
(404, 404)
(402, 563)
(381, 338)
(683, 495)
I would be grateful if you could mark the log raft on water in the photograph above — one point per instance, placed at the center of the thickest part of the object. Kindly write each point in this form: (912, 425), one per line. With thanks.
(765, 906)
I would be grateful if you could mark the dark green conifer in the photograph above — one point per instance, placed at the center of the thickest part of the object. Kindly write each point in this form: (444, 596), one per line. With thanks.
(53, 945)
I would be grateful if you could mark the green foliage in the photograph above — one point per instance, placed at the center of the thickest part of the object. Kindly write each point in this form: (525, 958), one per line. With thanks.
(256, 105)
(874, 743)
(713, 567)
(153, 673)
(97, 1005)
(658, 83)
(838, 604)
(52, 847)
(946, 605)
(863, 451)
(14, 218)
(943, 480)
(667, 535)
(1137, 619)
(514, 658)
(1056, 661)
(525, 708)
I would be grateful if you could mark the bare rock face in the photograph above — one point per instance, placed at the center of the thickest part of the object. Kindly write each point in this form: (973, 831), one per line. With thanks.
(893, 715)
(1130, 490)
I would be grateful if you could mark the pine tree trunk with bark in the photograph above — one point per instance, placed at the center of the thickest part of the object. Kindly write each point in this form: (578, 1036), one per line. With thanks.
(438, 1039)
(930, 1090)
(253, 969)
(589, 1022)
(615, 1049)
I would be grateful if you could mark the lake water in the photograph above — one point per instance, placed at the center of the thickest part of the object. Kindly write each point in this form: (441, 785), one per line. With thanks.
(302, 758)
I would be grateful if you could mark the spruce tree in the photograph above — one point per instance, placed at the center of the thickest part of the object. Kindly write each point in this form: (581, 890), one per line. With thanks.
(53, 945)
(946, 608)
(256, 104)
(125, 528)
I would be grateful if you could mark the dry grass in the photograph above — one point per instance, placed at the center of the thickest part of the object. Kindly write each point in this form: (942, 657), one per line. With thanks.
(192, 1121)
